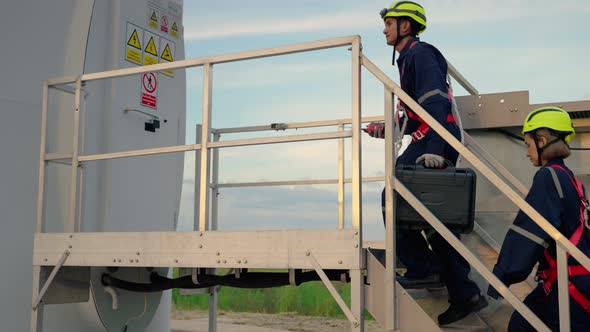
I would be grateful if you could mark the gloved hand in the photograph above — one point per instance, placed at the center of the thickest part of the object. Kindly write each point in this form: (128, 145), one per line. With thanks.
(375, 129)
(431, 160)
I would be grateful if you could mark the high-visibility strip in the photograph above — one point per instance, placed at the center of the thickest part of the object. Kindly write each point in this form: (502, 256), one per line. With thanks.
(530, 236)
(432, 93)
(556, 180)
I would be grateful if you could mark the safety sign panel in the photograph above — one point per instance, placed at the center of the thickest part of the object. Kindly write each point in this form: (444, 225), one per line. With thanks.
(174, 30)
(149, 86)
(153, 18)
(167, 49)
(164, 23)
(151, 48)
(133, 43)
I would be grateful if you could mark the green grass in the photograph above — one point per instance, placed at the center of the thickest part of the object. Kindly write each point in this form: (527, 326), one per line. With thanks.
(310, 299)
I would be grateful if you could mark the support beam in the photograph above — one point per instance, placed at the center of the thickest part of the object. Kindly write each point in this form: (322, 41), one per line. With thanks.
(52, 275)
(318, 269)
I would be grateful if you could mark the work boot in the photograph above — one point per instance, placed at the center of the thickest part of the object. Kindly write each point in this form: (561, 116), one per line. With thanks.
(431, 281)
(458, 311)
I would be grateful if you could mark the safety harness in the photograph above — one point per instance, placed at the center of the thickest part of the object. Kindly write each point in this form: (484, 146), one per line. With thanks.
(423, 128)
(548, 276)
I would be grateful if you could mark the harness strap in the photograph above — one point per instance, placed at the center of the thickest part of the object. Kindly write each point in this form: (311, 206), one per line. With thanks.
(423, 128)
(548, 277)
(575, 238)
(579, 297)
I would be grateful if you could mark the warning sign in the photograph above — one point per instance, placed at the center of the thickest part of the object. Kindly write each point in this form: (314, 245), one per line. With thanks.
(151, 44)
(134, 40)
(167, 49)
(133, 46)
(166, 54)
(149, 95)
(174, 30)
(153, 18)
(164, 23)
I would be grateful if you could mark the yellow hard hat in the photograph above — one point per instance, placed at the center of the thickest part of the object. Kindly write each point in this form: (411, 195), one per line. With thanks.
(406, 9)
(553, 118)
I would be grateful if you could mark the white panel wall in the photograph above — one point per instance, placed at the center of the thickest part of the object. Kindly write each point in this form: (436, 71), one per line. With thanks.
(46, 39)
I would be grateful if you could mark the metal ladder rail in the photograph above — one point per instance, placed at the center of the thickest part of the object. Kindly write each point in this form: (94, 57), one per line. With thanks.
(564, 245)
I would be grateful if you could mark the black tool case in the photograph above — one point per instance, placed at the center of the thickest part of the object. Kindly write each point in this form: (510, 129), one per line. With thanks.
(448, 193)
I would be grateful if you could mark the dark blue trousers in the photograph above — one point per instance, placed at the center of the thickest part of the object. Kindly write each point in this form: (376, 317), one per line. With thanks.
(547, 309)
(412, 248)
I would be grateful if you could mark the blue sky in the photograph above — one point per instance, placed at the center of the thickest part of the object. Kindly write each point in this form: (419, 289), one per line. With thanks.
(540, 46)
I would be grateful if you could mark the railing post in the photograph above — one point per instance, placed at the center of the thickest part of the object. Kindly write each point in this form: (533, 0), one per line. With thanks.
(71, 227)
(390, 155)
(205, 137)
(42, 162)
(197, 206)
(341, 179)
(214, 183)
(357, 288)
(80, 203)
(563, 289)
(356, 137)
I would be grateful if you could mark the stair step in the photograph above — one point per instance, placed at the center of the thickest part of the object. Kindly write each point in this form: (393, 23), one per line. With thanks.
(434, 303)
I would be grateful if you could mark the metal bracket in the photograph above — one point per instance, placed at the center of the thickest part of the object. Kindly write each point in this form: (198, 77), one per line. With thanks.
(318, 269)
(279, 126)
(292, 281)
(195, 276)
(60, 263)
(152, 124)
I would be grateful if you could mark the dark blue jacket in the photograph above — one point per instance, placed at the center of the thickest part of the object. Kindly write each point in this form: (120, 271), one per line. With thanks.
(519, 254)
(423, 76)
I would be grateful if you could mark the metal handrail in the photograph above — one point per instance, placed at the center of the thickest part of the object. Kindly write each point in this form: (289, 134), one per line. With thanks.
(77, 157)
(211, 60)
(563, 244)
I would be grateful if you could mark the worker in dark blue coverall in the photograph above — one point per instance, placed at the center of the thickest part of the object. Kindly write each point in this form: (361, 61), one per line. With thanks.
(423, 76)
(554, 195)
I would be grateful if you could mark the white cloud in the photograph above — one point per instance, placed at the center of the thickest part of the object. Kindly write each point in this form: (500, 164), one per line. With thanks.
(253, 75)
(469, 11)
(358, 17)
(265, 25)
(289, 208)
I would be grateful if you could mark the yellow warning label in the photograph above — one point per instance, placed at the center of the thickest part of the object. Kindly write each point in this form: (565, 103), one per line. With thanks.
(151, 47)
(134, 40)
(149, 60)
(154, 20)
(166, 55)
(174, 31)
(133, 55)
(167, 49)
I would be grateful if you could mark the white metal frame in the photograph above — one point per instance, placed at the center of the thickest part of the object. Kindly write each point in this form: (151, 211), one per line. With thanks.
(340, 248)
(333, 249)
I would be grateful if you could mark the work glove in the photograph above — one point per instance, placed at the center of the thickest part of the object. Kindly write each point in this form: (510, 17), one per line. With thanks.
(431, 160)
(375, 129)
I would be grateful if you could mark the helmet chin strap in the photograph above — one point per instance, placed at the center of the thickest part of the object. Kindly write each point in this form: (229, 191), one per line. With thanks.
(397, 41)
(541, 149)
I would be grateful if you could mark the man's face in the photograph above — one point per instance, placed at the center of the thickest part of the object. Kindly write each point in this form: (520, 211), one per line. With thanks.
(390, 30)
